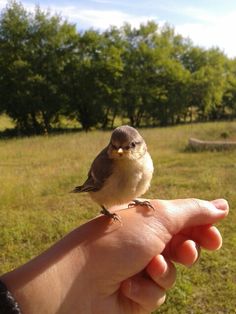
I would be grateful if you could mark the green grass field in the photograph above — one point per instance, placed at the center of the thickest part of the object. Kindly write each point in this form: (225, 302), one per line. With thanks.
(36, 208)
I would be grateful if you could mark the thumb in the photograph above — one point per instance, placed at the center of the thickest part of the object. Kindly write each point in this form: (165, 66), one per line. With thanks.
(184, 213)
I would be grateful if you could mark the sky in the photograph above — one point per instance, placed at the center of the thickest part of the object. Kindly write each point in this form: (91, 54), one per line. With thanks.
(208, 23)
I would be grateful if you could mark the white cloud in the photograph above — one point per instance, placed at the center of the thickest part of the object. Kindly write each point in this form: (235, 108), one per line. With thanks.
(212, 32)
(98, 19)
(103, 19)
(2, 4)
(104, 1)
(84, 18)
(26, 5)
(205, 28)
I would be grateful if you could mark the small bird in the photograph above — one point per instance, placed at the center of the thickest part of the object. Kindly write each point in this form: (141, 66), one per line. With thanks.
(121, 172)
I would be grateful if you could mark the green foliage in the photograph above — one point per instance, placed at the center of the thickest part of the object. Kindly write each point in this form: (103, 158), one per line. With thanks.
(5, 123)
(34, 51)
(93, 79)
(37, 209)
(148, 75)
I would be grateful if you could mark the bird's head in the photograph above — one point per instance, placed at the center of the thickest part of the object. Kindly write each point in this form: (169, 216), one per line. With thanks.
(126, 143)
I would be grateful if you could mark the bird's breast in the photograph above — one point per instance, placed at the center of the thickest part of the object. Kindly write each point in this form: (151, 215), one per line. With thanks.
(129, 180)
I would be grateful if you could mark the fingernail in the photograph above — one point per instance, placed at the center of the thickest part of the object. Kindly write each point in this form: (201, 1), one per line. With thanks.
(221, 204)
(197, 255)
(198, 249)
(158, 266)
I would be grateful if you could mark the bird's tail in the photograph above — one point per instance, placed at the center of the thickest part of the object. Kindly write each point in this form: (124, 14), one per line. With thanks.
(84, 188)
(77, 189)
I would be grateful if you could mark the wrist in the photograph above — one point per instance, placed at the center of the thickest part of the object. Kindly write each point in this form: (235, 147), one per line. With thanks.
(50, 282)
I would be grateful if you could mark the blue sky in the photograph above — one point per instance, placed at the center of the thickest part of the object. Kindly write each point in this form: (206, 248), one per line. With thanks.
(208, 23)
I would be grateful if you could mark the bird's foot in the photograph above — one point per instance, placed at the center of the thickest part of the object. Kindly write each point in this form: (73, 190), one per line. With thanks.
(115, 217)
(141, 203)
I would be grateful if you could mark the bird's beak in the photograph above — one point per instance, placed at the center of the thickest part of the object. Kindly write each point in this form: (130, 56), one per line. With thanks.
(120, 151)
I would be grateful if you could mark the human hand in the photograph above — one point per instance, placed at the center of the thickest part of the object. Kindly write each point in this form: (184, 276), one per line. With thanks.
(120, 254)
(106, 267)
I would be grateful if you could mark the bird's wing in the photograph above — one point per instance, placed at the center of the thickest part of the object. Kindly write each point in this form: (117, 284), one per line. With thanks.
(100, 170)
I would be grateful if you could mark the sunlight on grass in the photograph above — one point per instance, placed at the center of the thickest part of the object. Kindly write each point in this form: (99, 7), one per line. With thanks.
(6, 123)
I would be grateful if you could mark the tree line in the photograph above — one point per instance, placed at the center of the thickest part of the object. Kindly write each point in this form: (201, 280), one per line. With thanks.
(149, 75)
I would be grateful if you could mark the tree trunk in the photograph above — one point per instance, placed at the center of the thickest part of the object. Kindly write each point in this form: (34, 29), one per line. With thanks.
(46, 122)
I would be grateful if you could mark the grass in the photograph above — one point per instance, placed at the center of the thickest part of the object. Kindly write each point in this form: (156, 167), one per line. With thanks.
(36, 209)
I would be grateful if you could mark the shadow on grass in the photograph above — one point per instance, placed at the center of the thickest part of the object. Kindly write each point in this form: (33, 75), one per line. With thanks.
(15, 133)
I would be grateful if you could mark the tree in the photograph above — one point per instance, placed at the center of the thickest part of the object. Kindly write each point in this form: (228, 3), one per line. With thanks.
(14, 67)
(139, 88)
(110, 73)
(148, 74)
(93, 79)
(171, 78)
(34, 51)
(228, 108)
(207, 82)
(81, 82)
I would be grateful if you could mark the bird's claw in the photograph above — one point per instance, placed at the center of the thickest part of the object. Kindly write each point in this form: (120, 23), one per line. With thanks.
(141, 203)
(114, 216)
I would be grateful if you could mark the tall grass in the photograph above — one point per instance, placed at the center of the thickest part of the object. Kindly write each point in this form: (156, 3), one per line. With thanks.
(36, 208)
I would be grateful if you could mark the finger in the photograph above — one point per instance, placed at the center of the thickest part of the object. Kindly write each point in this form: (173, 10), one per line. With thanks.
(162, 271)
(207, 236)
(144, 292)
(220, 203)
(182, 214)
(182, 250)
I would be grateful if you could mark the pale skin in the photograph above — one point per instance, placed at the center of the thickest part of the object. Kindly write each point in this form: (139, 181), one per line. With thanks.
(105, 267)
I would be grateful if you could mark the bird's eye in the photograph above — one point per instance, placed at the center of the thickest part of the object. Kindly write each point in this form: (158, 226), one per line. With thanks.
(113, 146)
(133, 144)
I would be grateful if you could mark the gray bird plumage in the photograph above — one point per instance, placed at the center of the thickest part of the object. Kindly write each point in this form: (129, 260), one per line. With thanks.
(97, 174)
(121, 172)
